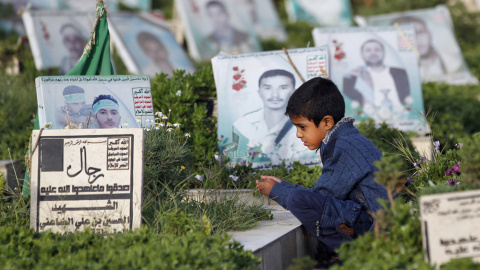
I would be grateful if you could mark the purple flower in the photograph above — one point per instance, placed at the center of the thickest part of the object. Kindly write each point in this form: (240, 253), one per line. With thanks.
(451, 182)
(424, 159)
(437, 146)
(459, 145)
(416, 165)
(409, 181)
(448, 172)
(455, 169)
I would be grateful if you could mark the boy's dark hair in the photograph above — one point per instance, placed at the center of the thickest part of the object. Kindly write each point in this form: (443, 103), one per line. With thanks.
(276, 72)
(316, 99)
(102, 97)
(73, 89)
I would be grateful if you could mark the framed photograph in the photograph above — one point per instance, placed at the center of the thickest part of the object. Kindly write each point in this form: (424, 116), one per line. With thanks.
(94, 101)
(441, 58)
(213, 26)
(376, 68)
(146, 45)
(253, 91)
(321, 13)
(57, 38)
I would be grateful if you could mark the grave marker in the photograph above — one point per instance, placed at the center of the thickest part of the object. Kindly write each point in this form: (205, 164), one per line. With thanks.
(87, 179)
(450, 226)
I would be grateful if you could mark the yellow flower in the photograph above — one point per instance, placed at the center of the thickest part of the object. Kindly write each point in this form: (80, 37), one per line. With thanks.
(182, 167)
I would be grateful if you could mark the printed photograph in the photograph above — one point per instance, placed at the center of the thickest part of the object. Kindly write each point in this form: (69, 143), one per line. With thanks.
(213, 26)
(57, 38)
(441, 58)
(146, 45)
(94, 102)
(253, 92)
(377, 70)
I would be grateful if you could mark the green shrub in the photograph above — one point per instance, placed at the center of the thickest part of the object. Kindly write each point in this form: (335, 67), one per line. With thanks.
(167, 160)
(454, 111)
(189, 107)
(22, 248)
(469, 154)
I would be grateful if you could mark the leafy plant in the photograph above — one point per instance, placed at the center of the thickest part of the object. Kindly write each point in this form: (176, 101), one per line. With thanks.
(139, 249)
(185, 97)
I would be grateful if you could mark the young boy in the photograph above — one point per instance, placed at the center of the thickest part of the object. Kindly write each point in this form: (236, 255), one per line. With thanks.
(340, 205)
(106, 111)
(75, 107)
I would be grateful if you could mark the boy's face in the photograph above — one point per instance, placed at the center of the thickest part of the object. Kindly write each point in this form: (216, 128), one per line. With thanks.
(275, 92)
(108, 117)
(311, 135)
(75, 107)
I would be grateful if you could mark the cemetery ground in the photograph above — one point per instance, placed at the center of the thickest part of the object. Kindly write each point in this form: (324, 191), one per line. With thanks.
(178, 233)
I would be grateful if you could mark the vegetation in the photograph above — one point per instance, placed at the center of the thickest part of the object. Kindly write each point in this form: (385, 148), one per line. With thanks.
(180, 233)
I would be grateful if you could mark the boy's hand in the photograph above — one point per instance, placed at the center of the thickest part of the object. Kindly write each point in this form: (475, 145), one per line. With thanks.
(266, 186)
(265, 177)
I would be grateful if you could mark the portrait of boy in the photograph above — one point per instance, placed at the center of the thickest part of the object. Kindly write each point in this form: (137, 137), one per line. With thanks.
(106, 111)
(340, 205)
(75, 110)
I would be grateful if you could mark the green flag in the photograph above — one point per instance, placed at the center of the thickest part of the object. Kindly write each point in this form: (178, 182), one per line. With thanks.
(94, 61)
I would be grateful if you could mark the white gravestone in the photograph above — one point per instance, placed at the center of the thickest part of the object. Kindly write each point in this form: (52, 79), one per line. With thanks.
(451, 226)
(87, 179)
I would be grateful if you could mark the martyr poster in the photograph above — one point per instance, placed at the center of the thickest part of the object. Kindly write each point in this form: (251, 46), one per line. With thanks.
(441, 58)
(253, 92)
(376, 69)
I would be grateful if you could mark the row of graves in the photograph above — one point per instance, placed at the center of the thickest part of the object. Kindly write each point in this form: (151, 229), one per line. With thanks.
(90, 175)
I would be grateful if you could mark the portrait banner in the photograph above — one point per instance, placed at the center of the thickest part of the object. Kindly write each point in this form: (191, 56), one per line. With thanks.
(87, 179)
(93, 102)
(146, 44)
(441, 58)
(253, 91)
(213, 26)
(376, 68)
(57, 38)
(264, 17)
(321, 13)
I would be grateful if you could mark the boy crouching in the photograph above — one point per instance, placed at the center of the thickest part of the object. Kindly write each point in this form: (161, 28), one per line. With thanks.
(340, 205)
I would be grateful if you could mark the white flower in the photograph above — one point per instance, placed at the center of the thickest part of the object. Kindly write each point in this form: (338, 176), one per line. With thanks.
(159, 114)
(188, 135)
(157, 127)
(176, 124)
(150, 120)
(139, 120)
(164, 117)
(125, 124)
(170, 129)
(409, 100)
(169, 110)
(199, 177)
(147, 129)
(161, 124)
(355, 104)
(233, 177)
(179, 93)
(169, 124)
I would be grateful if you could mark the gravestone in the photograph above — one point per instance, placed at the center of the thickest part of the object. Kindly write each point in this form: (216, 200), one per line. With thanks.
(450, 226)
(13, 172)
(87, 179)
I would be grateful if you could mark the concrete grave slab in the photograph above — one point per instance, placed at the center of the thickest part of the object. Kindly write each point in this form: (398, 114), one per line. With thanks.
(87, 179)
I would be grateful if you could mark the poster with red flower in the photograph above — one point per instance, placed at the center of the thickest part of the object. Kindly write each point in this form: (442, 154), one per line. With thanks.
(239, 81)
(252, 94)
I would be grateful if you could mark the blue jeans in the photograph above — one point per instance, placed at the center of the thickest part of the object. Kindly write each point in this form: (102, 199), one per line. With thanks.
(330, 220)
